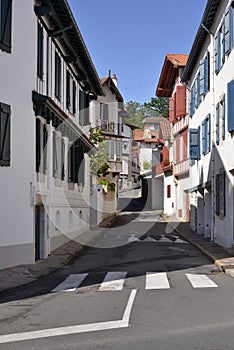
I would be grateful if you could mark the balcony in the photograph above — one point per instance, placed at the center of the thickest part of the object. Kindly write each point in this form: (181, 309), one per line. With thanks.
(108, 127)
(115, 166)
(181, 168)
(180, 125)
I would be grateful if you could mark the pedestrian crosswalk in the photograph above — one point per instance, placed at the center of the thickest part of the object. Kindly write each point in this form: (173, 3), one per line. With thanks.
(116, 280)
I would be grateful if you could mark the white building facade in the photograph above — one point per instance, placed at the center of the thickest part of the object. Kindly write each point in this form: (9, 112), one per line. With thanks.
(209, 76)
(47, 80)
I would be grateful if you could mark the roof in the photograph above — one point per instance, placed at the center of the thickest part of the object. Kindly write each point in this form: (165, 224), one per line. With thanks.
(66, 32)
(169, 73)
(108, 81)
(139, 136)
(153, 120)
(165, 130)
(207, 21)
(131, 126)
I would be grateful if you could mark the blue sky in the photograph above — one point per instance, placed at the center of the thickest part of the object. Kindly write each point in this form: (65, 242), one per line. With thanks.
(132, 37)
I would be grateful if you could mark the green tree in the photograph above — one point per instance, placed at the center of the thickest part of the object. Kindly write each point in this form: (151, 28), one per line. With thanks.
(135, 113)
(159, 105)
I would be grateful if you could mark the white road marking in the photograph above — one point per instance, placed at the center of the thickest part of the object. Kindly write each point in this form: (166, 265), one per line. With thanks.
(71, 283)
(113, 281)
(149, 239)
(157, 280)
(92, 327)
(200, 281)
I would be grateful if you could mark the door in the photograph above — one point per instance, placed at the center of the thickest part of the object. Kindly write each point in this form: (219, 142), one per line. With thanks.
(39, 232)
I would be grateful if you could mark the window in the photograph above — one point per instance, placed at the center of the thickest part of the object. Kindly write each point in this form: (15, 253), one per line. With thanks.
(118, 150)
(40, 51)
(223, 113)
(41, 147)
(230, 106)
(104, 115)
(76, 166)
(224, 39)
(5, 25)
(168, 191)
(205, 75)
(194, 144)
(206, 135)
(5, 134)
(221, 194)
(71, 93)
(58, 71)
(58, 156)
(84, 108)
(217, 124)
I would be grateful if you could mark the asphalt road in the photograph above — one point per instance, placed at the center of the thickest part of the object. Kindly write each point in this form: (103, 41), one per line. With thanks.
(140, 287)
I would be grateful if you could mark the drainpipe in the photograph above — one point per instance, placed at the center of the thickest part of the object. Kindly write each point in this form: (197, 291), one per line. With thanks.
(213, 126)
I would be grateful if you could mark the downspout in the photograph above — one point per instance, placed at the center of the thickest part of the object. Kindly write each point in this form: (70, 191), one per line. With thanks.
(213, 126)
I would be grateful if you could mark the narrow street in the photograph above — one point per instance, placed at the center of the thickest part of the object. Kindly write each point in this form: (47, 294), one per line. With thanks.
(138, 288)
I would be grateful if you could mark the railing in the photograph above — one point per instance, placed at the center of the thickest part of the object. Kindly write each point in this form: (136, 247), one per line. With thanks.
(180, 125)
(181, 167)
(108, 126)
(115, 166)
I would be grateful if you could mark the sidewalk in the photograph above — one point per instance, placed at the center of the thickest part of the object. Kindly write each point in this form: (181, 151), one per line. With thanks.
(23, 274)
(222, 257)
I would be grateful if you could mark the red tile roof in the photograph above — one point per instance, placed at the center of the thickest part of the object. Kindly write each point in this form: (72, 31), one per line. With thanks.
(165, 128)
(169, 73)
(178, 59)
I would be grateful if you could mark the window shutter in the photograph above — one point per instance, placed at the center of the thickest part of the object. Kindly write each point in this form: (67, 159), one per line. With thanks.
(217, 194)
(199, 142)
(207, 73)
(217, 53)
(71, 164)
(195, 93)
(223, 117)
(5, 25)
(198, 90)
(203, 137)
(227, 32)
(40, 51)
(74, 97)
(193, 144)
(217, 123)
(208, 133)
(68, 90)
(180, 101)
(38, 144)
(84, 108)
(171, 109)
(55, 156)
(202, 77)
(62, 158)
(58, 68)
(192, 106)
(86, 119)
(5, 135)
(168, 191)
(222, 194)
(230, 105)
(45, 140)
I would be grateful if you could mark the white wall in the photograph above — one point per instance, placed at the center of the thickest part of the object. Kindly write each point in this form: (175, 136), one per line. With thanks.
(17, 71)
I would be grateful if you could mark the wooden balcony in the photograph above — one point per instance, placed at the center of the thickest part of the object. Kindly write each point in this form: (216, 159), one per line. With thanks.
(115, 166)
(180, 125)
(181, 168)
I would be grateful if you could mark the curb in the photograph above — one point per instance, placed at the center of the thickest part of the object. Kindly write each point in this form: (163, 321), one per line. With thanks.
(209, 255)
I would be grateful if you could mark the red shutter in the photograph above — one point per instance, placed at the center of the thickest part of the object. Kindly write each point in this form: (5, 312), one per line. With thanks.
(177, 149)
(180, 101)
(168, 191)
(172, 108)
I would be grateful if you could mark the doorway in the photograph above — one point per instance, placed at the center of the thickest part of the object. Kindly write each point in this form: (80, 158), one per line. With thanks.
(39, 232)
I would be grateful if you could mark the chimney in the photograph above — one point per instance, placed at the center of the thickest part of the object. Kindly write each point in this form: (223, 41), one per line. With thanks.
(109, 73)
(115, 80)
